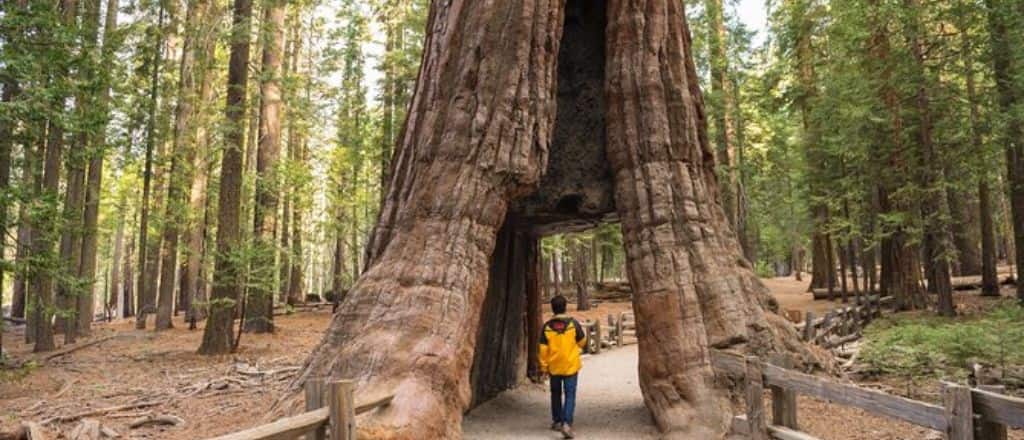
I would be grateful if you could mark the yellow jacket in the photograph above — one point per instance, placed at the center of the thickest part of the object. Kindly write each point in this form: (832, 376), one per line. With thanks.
(561, 341)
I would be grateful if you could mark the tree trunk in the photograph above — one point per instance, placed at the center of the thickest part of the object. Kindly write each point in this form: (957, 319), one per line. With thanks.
(115, 264)
(183, 156)
(71, 244)
(723, 105)
(297, 277)
(580, 279)
(144, 281)
(217, 337)
(260, 310)
(429, 256)
(128, 288)
(1004, 24)
(935, 203)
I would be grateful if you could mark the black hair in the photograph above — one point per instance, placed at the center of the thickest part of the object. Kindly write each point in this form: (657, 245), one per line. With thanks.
(558, 304)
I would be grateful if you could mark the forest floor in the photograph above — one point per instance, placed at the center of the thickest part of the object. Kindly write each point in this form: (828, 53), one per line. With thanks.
(134, 374)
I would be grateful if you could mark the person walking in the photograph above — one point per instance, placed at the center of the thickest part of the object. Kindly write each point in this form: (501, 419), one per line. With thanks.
(561, 343)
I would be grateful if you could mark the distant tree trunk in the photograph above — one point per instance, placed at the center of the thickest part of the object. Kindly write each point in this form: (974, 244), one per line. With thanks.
(183, 156)
(144, 281)
(844, 292)
(192, 263)
(989, 274)
(900, 256)
(1004, 24)
(580, 262)
(935, 204)
(297, 279)
(963, 226)
(29, 168)
(556, 274)
(128, 288)
(217, 337)
(71, 244)
(115, 264)
(723, 105)
(260, 311)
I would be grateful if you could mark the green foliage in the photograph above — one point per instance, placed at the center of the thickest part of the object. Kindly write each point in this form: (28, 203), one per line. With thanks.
(915, 346)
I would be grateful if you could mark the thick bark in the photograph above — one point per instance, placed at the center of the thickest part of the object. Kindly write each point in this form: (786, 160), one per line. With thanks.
(431, 254)
(260, 309)
(692, 289)
(411, 325)
(217, 337)
(71, 245)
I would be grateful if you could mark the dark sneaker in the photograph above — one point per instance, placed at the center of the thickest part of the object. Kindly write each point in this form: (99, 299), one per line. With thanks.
(557, 426)
(567, 431)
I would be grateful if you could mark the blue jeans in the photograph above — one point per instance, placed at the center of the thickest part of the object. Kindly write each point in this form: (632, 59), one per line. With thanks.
(562, 412)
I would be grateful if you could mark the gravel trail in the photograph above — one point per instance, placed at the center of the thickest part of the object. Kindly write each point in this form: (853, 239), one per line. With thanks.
(608, 405)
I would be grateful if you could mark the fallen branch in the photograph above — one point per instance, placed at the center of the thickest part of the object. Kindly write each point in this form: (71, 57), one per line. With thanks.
(73, 348)
(165, 419)
(97, 412)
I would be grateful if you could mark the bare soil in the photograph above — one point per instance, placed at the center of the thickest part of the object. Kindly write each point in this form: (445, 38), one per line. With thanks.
(160, 373)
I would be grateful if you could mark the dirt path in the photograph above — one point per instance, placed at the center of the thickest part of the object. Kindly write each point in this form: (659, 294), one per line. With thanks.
(609, 405)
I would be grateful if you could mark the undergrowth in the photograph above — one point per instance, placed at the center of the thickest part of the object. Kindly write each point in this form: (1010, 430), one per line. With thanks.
(926, 346)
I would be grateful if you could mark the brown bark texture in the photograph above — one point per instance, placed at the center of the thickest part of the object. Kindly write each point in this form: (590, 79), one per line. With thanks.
(260, 309)
(217, 337)
(477, 138)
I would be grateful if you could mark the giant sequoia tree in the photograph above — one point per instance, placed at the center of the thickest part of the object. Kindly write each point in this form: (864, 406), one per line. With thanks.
(484, 163)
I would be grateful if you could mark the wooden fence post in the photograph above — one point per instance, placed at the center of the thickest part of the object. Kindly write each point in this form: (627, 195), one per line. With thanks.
(809, 326)
(959, 411)
(314, 401)
(987, 429)
(597, 336)
(755, 399)
(343, 410)
(783, 400)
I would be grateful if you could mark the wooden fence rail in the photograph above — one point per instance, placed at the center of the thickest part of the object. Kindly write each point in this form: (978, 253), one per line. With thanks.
(966, 413)
(328, 416)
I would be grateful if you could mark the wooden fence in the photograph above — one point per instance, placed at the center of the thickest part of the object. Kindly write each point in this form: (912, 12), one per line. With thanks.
(329, 415)
(840, 325)
(966, 413)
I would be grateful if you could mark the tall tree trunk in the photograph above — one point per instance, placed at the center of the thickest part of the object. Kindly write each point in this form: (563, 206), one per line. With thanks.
(666, 196)
(68, 288)
(115, 264)
(144, 281)
(989, 274)
(260, 310)
(723, 105)
(197, 219)
(94, 179)
(935, 203)
(1004, 24)
(217, 337)
(297, 278)
(184, 153)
